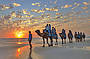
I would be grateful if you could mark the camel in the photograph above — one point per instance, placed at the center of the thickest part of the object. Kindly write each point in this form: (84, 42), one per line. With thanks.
(45, 36)
(62, 37)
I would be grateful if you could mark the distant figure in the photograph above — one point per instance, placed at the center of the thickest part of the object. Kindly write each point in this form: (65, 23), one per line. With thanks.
(49, 26)
(54, 35)
(75, 36)
(30, 39)
(80, 36)
(70, 36)
(63, 36)
(83, 36)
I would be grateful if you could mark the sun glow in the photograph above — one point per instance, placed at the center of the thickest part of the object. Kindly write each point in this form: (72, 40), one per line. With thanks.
(19, 34)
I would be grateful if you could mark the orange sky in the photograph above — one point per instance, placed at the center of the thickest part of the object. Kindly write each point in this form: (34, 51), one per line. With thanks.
(14, 34)
(11, 33)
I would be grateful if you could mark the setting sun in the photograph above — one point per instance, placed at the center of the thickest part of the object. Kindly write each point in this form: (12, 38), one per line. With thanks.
(19, 34)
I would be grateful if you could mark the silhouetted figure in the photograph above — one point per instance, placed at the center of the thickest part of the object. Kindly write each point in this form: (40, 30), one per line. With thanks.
(75, 36)
(83, 36)
(54, 35)
(48, 28)
(30, 39)
(80, 36)
(63, 36)
(50, 34)
(70, 36)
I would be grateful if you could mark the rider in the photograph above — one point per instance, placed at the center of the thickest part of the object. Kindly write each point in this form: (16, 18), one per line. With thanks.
(64, 35)
(70, 36)
(63, 32)
(48, 28)
(54, 35)
(75, 35)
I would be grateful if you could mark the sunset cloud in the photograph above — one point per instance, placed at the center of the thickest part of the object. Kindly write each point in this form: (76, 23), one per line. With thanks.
(85, 3)
(16, 4)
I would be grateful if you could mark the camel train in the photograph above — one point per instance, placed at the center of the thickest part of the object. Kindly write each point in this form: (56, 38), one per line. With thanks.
(51, 34)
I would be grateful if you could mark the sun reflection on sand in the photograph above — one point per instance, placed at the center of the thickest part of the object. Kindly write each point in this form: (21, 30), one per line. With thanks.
(22, 52)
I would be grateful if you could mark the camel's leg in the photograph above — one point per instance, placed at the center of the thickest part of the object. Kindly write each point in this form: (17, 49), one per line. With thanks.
(69, 40)
(76, 39)
(51, 41)
(62, 41)
(80, 39)
(65, 41)
(84, 39)
(47, 42)
(43, 42)
(56, 42)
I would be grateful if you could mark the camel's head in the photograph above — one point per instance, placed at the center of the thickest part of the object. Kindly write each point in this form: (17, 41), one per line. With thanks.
(37, 31)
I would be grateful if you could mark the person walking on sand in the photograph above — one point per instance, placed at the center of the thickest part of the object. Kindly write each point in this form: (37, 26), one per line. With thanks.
(30, 39)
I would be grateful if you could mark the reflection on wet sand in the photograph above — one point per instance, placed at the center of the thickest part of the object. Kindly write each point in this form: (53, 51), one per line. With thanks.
(30, 53)
(22, 52)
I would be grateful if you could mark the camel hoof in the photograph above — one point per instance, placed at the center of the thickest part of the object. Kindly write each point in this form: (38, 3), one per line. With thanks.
(51, 44)
(43, 46)
(56, 44)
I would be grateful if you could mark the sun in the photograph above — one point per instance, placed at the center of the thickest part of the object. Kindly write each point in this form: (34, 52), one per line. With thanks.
(19, 34)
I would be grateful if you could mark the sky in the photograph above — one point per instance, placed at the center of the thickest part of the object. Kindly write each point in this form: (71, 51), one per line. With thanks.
(20, 16)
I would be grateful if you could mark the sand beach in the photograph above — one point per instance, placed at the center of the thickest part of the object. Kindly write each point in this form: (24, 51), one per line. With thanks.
(12, 50)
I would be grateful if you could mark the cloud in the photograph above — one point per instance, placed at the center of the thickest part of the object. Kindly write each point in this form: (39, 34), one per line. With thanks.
(24, 11)
(16, 4)
(36, 4)
(4, 7)
(84, 8)
(51, 9)
(37, 11)
(85, 3)
(67, 6)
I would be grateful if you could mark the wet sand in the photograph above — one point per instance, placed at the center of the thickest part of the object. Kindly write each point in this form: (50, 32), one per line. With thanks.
(22, 50)
(12, 49)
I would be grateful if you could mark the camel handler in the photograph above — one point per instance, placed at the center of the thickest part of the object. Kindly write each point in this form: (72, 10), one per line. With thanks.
(30, 39)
